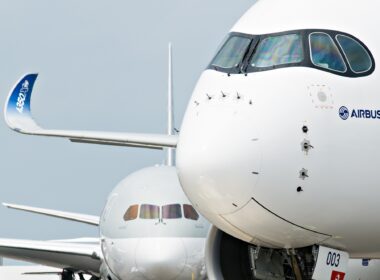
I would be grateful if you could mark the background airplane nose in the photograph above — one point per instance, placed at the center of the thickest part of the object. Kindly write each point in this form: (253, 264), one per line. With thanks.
(161, 258)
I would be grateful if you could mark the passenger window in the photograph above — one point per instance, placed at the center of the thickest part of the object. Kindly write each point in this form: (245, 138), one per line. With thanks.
(324, 52)
(172, 211)
(189, 212)
(131, 213)
(148, 211)
(232, 52)
(356, 55)
(278, 50)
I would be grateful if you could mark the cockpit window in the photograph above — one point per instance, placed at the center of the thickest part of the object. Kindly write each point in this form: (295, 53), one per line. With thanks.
(324, 52)
(148, 211)
(331, 51)
(131, 213)
(356, 55)
(189, 212)
(232, 52)
(278, 50)
(171, 211)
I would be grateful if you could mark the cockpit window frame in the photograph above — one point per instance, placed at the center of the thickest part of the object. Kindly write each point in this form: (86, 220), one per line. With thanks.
(246, 68)
(132, 213)
(250, 68)
(143, 211)
(237, 69)
(334, 44)
(361, 44)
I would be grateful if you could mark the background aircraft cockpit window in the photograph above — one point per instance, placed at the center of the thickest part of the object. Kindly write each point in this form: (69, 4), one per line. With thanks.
(131, 213)
(171, 211)
(189, 212)
(324, 52)
(356, 55)
(148, 211)
(232, 52)
(278, 50)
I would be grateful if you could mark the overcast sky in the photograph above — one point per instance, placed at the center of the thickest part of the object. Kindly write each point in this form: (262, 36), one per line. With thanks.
(102, 66)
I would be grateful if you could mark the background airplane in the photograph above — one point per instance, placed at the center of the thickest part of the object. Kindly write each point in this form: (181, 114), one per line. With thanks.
(91, 46)
(148, 228)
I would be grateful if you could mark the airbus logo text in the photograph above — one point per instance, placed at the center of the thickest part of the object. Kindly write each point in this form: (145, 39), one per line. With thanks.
(345, 113)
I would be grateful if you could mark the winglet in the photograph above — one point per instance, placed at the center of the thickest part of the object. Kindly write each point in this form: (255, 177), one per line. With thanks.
(18, 116)
(17, 111)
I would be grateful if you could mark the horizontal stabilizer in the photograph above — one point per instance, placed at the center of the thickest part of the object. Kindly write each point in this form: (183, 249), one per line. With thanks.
(18, 116)
(87, 219)
(77, 257)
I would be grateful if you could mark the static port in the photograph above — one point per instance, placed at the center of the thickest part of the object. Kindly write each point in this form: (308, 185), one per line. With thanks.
(305, 129)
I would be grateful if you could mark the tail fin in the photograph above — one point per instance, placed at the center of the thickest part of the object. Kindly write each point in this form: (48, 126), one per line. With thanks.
(170, 151)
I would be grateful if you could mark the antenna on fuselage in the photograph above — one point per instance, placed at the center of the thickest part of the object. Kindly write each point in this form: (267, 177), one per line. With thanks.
(170, 151)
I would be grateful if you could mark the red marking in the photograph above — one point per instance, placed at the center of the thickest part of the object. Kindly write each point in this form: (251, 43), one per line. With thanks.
(336, 275)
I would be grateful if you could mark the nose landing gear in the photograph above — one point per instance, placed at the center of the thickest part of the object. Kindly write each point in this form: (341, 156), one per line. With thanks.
(70, 275)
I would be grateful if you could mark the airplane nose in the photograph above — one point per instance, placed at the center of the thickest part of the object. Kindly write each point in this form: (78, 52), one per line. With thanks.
(161, 258)
(218, 157)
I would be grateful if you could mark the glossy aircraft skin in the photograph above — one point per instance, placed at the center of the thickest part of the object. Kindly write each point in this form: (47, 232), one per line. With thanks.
(239, 154)
(152, 248)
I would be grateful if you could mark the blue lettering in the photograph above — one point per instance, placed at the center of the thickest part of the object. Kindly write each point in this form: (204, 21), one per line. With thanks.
(364, 114)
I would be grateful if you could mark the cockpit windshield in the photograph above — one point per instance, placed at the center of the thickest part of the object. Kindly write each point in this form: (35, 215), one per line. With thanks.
(148, 211)
(190, 212)
(131, 213)
(325, 53)
(232, 52)
(172, 211)
(169, 211)
(278, 50)
(357, 57)
(327, 50)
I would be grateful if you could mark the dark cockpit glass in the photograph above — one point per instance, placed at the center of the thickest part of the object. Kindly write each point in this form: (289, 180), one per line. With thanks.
(149, 211)
(131, 213)
(232, 52)
(356, 55)
(278, 50)
(190, 213)
(324, 52)
(171, 211)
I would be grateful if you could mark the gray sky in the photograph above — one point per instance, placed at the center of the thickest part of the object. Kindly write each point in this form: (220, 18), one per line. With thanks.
(102, 66)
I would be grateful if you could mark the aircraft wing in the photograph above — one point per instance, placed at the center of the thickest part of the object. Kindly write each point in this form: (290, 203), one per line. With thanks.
(18, 116)
(65, 255)
(87, 219)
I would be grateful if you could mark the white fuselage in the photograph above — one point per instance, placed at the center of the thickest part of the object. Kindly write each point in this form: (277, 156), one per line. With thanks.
(156, 258)
(142, 246)
(240, 154)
